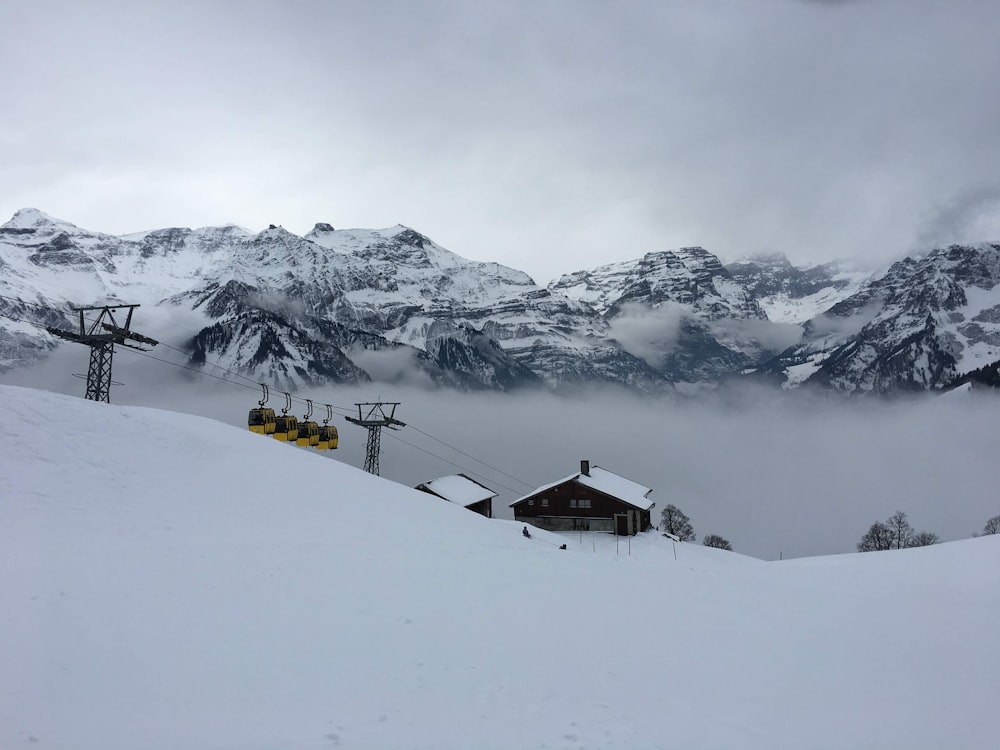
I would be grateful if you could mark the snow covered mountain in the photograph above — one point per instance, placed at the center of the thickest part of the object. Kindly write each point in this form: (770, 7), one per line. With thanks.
(917, 327)
(686, 313)
(795, 294)
(282, 307)
(391, 305)
(333, 305)
(690, 276)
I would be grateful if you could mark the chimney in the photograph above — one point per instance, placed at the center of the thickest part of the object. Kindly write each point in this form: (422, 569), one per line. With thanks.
(585, 468)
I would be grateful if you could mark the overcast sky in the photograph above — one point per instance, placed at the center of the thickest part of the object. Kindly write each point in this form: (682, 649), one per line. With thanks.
(549, 136)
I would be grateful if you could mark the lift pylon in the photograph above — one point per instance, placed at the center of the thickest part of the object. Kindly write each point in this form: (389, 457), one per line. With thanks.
(101, 336)
(374, 415)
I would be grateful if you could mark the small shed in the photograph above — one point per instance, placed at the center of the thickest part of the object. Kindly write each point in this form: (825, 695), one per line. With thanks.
(593, 499)
(462, 490)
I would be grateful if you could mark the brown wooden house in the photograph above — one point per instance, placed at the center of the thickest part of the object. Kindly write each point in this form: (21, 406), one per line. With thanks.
(462, 490)
(594, 499)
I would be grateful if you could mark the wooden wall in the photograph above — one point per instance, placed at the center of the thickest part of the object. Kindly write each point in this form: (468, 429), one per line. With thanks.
(556, 505)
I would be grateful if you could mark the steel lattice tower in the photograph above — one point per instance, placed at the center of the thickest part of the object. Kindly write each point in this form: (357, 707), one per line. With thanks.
(99, 372)
(101, 336)
(374, 420)
(373, 449)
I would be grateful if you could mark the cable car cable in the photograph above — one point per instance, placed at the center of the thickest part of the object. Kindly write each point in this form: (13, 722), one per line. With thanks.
(469, 455)
(388, 434)
(445, 460)
(254, 387)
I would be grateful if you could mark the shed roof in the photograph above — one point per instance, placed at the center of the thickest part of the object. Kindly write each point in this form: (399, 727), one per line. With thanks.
(459, 489)
(602, 480)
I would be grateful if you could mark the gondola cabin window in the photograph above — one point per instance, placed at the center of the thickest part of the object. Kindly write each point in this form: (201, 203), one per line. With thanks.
(261, 420)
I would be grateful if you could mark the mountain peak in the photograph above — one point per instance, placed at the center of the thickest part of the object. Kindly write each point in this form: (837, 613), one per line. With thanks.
(409, 236)
(275, 231)
(32, 218)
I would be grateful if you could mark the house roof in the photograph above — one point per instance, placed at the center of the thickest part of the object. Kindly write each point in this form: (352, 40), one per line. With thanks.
(602, 480)
(459, 489)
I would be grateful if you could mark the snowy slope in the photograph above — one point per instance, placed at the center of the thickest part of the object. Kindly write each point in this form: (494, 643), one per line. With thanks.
(917, 327)
(171, 582)
(689, 275)
(680, 310)
(143, 268)
(783, 307)
(795, 294)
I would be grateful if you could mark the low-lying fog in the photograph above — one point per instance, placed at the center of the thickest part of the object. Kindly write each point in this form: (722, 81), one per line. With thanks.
(776, 475)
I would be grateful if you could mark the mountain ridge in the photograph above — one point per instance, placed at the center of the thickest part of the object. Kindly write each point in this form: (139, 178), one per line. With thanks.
(292, 307)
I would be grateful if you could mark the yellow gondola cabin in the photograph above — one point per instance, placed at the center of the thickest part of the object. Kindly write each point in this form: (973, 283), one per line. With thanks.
(308, 434)
(261, 421)
(286, 428)
(327, 437)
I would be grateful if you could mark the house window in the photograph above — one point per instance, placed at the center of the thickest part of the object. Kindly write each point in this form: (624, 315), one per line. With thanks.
(545, 502)
(581, 503)
(531, 502)
(585, 503)
(572, 502)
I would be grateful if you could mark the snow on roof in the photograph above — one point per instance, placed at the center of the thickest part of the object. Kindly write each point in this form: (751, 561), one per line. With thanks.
(460, 489)
(602, 480)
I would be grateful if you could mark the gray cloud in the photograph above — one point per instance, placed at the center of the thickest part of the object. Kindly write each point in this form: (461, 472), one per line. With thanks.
(281, 304)
(395, 366)
(647, 333)
(972, 215)
(832, 3)
(787, 474)
(841, 327)
(548, 136)
(764, 333)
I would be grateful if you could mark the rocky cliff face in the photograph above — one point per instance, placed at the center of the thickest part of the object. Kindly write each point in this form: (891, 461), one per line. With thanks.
(302, 310)
(918, 326)
(690, 276)
(794, 294)
(679, 309)
(390, 304)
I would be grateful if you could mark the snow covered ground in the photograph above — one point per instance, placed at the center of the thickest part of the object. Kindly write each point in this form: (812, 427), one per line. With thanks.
(172, 582)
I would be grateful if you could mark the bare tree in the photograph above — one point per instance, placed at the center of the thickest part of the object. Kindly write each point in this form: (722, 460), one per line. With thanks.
(992, 526)
(895, 533)
(714, 540)
(900, 529)
(879, 537)
(923, 539)
(675, 522)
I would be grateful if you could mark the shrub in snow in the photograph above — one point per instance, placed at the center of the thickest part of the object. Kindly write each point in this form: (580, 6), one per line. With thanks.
(992, 527)
(878, 537)
(923, 539)
(714, 540)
